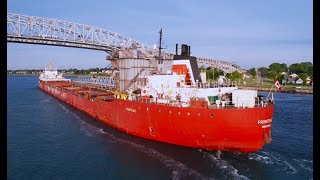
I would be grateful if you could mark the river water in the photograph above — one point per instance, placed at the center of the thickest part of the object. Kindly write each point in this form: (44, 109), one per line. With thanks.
(48, 139)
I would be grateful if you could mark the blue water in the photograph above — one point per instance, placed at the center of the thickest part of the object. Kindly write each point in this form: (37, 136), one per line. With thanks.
(47, 139)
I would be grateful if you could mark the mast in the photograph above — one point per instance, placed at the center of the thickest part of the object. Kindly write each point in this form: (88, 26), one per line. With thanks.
(50, 67)
(160, 59)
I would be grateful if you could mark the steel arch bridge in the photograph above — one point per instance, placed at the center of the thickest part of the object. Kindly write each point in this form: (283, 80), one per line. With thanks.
(45, 31)
(226, 66)
(37, 30)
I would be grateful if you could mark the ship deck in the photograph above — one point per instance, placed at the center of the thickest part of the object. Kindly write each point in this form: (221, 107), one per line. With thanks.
(91, 92)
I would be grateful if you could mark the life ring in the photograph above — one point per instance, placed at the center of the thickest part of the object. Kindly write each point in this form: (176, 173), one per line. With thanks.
(144, 91)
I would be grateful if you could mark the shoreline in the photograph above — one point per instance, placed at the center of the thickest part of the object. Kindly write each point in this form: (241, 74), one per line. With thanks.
(39, 75)
(298, 91)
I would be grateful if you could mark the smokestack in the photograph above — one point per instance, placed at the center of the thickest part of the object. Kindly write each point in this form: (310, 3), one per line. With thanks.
(184, 50)
(176, 49)
(189, 50)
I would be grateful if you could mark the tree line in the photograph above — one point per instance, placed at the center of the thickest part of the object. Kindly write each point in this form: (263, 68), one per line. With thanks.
(85, 71)
(214, 73)
(275, 71)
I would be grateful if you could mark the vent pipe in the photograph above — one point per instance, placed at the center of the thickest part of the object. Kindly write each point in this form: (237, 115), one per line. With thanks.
(176, 49)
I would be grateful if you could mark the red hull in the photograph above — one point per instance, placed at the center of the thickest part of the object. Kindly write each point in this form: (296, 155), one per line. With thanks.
(236, 129)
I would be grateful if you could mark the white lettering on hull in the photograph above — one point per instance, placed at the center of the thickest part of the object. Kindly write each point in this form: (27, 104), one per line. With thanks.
(266, 126)
(264, 121)
(131, 110)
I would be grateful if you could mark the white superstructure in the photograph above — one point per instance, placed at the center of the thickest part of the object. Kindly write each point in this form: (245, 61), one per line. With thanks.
(51, 74)
(165, 88)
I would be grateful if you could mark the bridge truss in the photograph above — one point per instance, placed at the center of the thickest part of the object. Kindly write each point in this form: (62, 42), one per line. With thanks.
(38, 30)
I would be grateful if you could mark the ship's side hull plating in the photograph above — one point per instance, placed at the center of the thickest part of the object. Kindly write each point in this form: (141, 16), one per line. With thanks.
(235, 129)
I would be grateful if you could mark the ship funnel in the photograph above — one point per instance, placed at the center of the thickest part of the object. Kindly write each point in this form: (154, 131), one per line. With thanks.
(184, 50)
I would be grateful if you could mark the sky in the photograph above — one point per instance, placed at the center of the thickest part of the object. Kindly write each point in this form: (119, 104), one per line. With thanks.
(249, 33)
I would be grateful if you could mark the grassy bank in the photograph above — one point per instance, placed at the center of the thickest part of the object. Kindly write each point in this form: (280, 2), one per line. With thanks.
(266, 84)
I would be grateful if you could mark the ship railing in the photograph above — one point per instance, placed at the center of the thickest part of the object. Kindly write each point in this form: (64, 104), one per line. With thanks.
(211, 85)
(101, 86)
(98, 79)
(230, 104)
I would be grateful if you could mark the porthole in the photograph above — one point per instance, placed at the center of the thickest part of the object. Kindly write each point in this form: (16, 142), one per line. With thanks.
(170, 112)
(211, 115)
(179, 113)
(188, 114)
(199, 114)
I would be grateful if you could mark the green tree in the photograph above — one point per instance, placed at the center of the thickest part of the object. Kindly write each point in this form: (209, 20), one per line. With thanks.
(76, 71)
(281, 77)
(264, 71)
(273, 75)
(310, 72)
(235, 75)
(283, 67)
(209, 75)
(252, 72)
(303, 76)
(202, 69)
(276, 67)
(213, 73)
(294, 68)
(217, 73)
(304, 66)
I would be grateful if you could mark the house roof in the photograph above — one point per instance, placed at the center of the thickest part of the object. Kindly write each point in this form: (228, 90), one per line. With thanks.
(291, 79)
(293, 75)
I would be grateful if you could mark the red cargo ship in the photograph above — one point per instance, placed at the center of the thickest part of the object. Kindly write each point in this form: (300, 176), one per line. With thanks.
(168, 102)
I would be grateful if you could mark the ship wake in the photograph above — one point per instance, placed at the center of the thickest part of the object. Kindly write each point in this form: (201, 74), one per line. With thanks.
(88, 129)
(276, 160)
(225, 168)
(179, 169)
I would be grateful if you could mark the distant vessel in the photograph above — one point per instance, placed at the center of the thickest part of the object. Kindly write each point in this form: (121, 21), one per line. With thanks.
(168, 102)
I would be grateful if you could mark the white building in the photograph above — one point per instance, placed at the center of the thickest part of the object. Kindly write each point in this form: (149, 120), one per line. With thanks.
(308, 80)
(299, 81)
